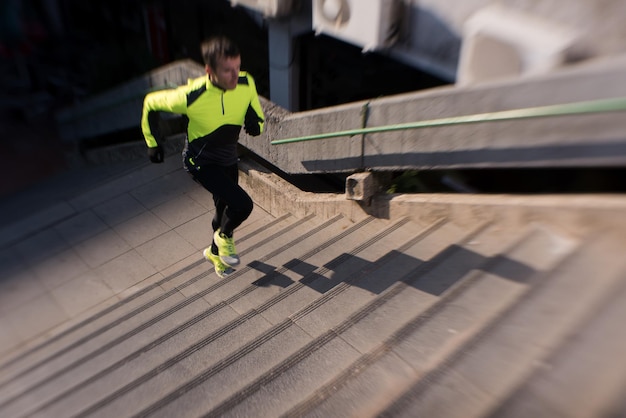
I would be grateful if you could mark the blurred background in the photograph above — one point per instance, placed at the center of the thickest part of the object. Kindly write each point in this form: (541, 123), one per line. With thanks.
(57, 53)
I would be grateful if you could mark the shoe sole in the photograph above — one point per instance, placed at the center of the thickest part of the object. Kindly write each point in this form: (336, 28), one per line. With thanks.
(220, 274)
(230, 261)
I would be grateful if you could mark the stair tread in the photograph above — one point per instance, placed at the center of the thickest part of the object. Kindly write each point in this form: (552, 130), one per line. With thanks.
(331, 316)
(581, 377)
(440, 330)
(501, 357)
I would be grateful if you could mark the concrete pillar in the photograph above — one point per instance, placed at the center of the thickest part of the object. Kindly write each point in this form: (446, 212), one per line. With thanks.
(283, 62)
(284, 68)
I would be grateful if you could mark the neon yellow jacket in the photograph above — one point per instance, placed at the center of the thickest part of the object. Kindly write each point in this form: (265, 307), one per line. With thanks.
(215, 117)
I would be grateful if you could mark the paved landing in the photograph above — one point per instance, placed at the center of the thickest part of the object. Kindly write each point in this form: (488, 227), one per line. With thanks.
(83, 239)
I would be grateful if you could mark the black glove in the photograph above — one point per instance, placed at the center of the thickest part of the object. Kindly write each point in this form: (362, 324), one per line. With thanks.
(251, 123)
(156, 154)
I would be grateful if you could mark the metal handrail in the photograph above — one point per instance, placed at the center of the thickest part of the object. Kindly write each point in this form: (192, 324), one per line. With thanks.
(590, 106)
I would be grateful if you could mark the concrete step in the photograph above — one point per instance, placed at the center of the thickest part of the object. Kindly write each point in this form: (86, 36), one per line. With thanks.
(61, 381)
(408, 326)
(83, 329)
(295, 321)
(221, 368)
(132, 322)
(90, 361)
(483, 372)
(335, 315)
(235, 297)
(274, 335)
(233, 371)
(581, 378)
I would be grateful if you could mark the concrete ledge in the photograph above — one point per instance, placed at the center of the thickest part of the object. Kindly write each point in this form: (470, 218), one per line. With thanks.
(593, 139)
(278, 196)
(575, 214)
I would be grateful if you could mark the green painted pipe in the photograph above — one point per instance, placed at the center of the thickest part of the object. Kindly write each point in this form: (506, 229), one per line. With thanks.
(592, 106)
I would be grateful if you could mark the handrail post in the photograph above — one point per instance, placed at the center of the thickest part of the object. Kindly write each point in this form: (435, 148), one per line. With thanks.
(365, 113)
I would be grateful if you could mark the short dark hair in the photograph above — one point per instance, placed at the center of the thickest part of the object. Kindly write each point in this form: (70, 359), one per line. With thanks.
(216, 48)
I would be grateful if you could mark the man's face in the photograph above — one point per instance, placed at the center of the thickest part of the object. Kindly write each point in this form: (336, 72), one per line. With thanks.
(226, 74)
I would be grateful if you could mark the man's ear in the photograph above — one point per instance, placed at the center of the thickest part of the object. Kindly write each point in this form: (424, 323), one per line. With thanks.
(208, 69)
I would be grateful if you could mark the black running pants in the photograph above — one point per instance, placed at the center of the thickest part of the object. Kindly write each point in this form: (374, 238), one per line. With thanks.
(232, 204)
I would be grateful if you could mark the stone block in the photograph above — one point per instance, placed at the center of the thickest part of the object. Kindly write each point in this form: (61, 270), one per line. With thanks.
(361, 186)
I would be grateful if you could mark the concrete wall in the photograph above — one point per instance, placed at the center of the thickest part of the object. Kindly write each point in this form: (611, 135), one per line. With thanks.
(120, 108)
(578, 140)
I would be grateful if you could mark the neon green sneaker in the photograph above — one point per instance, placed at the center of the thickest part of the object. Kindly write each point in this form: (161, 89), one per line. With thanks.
(221, 269)
(226, 249)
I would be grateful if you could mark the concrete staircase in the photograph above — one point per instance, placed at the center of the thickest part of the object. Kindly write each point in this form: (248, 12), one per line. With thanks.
(434, 313)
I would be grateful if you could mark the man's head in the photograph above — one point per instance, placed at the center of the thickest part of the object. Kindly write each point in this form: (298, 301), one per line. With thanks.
(222, 61)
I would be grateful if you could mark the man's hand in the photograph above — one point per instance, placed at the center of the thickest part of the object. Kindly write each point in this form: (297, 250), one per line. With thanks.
(251, 124)
(156, 154)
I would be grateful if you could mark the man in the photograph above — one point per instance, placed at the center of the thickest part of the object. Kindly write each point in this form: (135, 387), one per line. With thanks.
(217, 106)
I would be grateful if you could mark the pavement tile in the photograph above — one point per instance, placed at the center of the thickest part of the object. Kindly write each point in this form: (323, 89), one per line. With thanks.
(178, 211)
(141, 285)
(80, 227)
(258, 214)
(36, 316)
(141, 228)
(112, 188)
(9, 339)
(150, 172)
(168, 187)
(201, 285)
(31, 224)
(166, 250)
(198, 231)
(87, 313)
(201, 196)
(102, 248)
(56, 270)
(119, 209)
(10, 262)
(43, 244)
(101, 194)
(125, 271)
(177, 268)
(18, 289)
(81, 293)
(192, 280)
